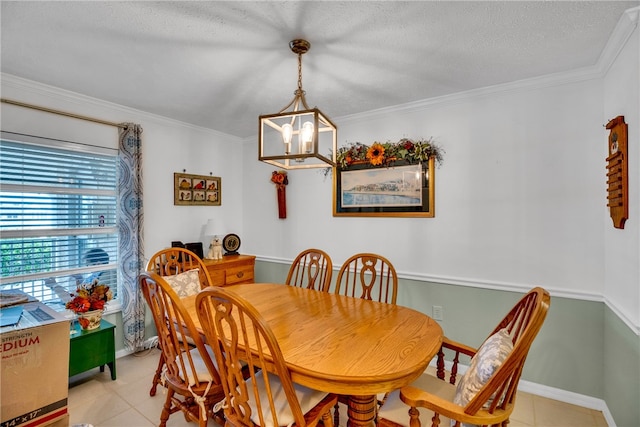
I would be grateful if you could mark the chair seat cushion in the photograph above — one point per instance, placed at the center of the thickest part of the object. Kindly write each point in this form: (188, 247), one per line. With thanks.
(201, 370)
(186, 283)
(307, 397)
(489, 357)
(397, 411)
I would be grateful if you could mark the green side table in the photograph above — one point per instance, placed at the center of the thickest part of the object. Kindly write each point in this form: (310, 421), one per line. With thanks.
(90, 349)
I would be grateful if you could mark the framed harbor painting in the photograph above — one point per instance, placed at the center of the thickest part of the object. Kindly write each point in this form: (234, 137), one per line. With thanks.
(400, 189)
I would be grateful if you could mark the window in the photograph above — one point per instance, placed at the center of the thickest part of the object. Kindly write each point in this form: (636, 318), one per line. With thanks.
(58, 203)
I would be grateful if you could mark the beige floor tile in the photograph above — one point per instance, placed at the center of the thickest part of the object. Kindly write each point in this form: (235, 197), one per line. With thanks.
(129, 418)
(139, 364)
(523, 413)
(87, 388)
(96, 409)
(600, 419)
(134, 392)
(551, 413)
(151, 407)
(95, 399)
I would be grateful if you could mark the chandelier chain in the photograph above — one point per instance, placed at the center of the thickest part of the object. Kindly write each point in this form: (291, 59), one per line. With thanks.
(300, 72)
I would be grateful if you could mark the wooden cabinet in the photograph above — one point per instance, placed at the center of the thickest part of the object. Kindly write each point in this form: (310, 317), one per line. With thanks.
(90, 349)
(231, 269)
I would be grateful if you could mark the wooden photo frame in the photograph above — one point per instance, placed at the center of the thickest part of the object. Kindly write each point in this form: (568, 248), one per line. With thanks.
(400, 189)
(198, 190)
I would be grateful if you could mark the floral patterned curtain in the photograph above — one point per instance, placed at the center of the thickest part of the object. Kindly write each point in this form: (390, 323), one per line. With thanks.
(130, 228)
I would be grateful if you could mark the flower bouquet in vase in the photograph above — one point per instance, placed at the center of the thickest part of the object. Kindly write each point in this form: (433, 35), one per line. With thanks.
(88, 303)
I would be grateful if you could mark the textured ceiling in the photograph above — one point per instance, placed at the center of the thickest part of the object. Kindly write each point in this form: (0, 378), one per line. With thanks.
(222, 64)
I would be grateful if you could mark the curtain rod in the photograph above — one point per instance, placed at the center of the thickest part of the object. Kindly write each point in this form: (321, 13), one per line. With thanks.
(62, 113)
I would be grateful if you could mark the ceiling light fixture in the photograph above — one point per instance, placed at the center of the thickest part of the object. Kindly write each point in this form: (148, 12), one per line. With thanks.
(293, 139)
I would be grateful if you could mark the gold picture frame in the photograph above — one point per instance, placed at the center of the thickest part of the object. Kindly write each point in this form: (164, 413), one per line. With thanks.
(401, 189)
(197, 190)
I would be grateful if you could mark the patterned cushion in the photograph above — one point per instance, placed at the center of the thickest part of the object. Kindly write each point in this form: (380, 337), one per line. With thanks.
(185, 284)
(487, 360)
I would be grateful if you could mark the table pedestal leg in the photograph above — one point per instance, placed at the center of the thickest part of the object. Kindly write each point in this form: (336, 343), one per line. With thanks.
(361, 411)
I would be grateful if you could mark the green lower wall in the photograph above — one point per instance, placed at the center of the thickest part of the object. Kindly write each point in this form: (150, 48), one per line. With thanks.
(116, 319)
(621, 371)
(567, 353)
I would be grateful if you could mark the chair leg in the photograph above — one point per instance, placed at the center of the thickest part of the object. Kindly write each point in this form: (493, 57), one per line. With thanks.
(326, 419)
(156, 376)
(166, 409)
(336, 414)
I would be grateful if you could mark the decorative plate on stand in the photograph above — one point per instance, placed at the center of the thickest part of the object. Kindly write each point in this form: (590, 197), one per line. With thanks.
(231, 244)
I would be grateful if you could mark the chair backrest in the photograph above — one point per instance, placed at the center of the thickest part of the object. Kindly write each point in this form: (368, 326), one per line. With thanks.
(175, 260)
(183, 365)
(312, 269)
(236, 325)
(368, 276)
(522, 323)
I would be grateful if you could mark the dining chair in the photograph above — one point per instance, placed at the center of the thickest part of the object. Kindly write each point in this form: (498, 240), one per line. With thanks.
(189, 374)
(368, 276)
(186, 273)
(486, 393)
(170, 262)
(268, 397)
(312, 269)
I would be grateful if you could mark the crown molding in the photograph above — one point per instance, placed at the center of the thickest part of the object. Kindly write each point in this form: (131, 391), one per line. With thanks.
(74, 99)
(622, 32)
(618, 39)
(535, 83)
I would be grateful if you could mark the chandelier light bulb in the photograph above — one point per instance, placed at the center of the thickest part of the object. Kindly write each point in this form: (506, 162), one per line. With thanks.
(307, 136)
(287, 134)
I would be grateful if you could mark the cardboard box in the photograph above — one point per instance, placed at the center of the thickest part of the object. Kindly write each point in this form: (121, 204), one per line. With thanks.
(34, 368)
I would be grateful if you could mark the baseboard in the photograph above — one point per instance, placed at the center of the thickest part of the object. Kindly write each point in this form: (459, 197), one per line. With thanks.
(567, 397)
(149, 343)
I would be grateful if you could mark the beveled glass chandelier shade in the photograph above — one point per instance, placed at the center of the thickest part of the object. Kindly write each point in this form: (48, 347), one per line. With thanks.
(297, 137)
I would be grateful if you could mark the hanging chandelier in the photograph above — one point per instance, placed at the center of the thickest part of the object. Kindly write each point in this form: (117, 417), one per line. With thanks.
(295, 138)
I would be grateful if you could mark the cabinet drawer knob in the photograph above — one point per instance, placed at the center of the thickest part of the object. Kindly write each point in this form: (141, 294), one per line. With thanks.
(239, 274)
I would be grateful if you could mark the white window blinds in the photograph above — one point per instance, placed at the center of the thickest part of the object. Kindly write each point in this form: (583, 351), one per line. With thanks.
(57, 205)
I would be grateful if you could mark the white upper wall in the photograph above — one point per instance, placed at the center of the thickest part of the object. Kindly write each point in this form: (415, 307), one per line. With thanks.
(622, 247)
(519, 197)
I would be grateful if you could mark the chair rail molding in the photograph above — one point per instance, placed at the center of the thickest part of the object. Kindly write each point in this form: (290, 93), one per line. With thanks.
(493, 285)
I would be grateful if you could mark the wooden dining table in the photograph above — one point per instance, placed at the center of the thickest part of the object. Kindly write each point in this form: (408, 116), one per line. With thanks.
(344, 345)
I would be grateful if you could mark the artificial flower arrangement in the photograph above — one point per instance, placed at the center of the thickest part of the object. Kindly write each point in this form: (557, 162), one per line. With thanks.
(279, 177)
(89, 297)
(381, 154)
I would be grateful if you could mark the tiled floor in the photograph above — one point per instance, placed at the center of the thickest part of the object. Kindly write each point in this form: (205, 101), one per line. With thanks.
(95, 399)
